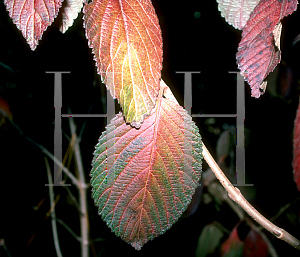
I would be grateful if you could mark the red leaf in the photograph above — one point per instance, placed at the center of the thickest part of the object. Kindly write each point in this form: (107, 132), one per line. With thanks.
(244, 242)
(257, 56)
(5, 109)
(296, 161)
(143, 179)
(126, 40)
(32, 17)
(233, 246)
(255, 245)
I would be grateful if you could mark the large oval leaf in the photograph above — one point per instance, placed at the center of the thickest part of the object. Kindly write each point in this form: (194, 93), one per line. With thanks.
(32, 17)
(257, 54)
(143, 179)
(126, 40)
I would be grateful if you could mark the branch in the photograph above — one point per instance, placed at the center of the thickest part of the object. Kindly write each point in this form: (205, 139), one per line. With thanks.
(82, 187)
(235, 194)
(45, 151)
(78, 238)
(53, 216)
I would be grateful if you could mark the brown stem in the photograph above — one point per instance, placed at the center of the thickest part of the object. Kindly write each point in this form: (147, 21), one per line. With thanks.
(53, 215)
(235, 194)
(84, 220)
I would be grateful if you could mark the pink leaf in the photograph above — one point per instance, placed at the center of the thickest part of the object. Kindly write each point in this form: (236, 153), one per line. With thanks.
(296, 161)
(32, 17)
(257, 55)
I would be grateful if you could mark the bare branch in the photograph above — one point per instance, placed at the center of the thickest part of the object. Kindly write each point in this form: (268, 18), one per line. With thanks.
(82, 187)
(69, 229)
(53, 216)
(235, 194)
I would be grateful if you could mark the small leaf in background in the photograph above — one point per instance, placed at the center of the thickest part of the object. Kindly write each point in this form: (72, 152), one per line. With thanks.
(255, 245)
(209, 240)
(296, 161)
(126, 40)
(32, 17)
(5, 109)
(143, 179)
(233, 246)
(69, 12)
(244, 242)
(236, 12)
(257, 54)
(4, 112)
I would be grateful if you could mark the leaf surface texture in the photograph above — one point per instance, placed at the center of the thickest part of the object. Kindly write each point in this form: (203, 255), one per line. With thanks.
(126, 40)
(236, 12)
(32, 17)
(69, 13)
(257, 54)
(143, 179)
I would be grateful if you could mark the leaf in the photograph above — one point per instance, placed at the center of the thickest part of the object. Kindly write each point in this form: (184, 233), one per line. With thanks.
(209, 240)
(236, 12)
(257, 56)
(69, 12)
(32, 17)
(233, 246)
(5, 109)
(126, 40)
(296, 160)
(143, 179)
(255, 245)
(5, 113)
(244, 242)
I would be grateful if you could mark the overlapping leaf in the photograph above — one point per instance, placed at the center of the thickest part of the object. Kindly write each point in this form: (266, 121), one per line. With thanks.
(69, 13)
(257, 54)
(32, 17)
(244, 242)
(236, 12)
(127, 46)
(143, 179)
(296, 161)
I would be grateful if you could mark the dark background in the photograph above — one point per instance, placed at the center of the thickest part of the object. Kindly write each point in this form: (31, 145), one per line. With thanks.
(207, 44)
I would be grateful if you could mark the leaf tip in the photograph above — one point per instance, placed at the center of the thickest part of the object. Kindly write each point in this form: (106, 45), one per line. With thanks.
(137, 245)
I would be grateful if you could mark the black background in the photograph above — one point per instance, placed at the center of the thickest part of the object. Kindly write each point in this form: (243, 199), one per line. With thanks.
(207, 44)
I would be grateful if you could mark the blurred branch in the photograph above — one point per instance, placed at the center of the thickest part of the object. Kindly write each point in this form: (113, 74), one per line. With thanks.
(53, 216)
(82, 187)
(283, 209)
(2, 243)
(50, 155)
(69, 229)
(235, 194)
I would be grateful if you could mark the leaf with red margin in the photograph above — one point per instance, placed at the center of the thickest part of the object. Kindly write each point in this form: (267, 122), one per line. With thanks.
(143, 179)
(257, 56)
(126, 40)
(32, 17)
(296, 161)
